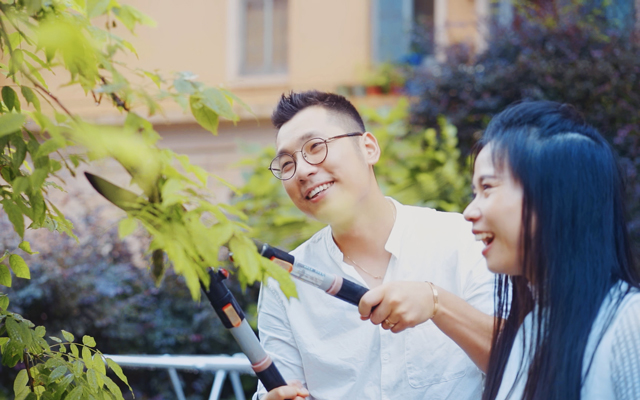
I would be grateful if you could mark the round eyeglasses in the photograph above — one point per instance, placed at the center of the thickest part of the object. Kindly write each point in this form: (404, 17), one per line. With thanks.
(314, 151)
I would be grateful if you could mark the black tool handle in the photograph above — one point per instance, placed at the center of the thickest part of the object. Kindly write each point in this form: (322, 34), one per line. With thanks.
(271, 378)
(351, 292)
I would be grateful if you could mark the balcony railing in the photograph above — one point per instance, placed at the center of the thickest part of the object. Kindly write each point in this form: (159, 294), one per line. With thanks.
(221, 365)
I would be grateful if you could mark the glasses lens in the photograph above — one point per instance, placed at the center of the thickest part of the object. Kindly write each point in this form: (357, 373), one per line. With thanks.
(283, 166)
(315, 151)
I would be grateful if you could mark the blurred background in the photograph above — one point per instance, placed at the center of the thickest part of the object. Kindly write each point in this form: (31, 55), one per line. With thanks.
(427, 75)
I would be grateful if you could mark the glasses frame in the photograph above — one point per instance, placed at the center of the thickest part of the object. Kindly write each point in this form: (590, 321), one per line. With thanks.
(293, 157)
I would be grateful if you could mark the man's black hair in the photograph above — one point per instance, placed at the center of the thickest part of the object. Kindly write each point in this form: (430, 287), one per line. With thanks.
(290, 105)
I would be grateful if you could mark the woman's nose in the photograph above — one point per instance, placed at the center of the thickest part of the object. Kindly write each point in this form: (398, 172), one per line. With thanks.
(472, 212)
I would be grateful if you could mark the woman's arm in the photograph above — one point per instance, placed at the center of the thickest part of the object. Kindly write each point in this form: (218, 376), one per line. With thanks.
(402, 305)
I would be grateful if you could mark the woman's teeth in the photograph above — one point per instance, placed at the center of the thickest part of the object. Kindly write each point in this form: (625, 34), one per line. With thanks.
(319, 189)
(485, 237)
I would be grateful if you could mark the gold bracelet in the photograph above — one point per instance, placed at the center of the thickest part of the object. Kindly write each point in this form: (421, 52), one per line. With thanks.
(435, 299)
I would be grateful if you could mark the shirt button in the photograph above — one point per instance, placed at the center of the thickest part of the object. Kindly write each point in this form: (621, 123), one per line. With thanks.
(385, 357)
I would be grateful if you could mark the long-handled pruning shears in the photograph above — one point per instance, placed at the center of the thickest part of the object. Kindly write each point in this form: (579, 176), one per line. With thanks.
(226, 305)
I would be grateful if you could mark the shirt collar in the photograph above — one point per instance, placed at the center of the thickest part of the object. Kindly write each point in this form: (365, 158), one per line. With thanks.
(394, 242)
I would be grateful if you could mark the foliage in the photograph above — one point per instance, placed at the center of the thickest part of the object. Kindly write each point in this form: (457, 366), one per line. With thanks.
(172, 205)
(385, 76)
(422, 169)
(103, 290)
(65, 369)
(551, 56)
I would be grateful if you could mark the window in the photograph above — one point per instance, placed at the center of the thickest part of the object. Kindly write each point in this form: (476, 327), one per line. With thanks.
(264, 32)
(401, 28)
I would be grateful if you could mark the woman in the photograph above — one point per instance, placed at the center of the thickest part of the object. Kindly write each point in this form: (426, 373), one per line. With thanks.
(549, 207)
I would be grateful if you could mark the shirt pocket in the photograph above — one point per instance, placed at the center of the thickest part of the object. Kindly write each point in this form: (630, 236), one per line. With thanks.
(431, 357)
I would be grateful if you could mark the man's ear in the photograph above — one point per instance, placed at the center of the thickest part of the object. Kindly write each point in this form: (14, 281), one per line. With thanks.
(371, 148)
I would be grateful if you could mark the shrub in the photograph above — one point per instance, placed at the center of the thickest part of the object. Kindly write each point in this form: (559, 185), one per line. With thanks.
(102, 289)
(554, 56)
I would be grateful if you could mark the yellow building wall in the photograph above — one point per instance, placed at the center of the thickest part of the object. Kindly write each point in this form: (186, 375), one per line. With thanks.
(329, 45)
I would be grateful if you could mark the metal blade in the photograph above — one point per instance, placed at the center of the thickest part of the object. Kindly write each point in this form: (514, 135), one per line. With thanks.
(122, 198)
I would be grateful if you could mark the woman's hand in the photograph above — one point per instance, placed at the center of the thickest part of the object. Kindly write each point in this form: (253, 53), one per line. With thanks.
(293, 391)
(400, 305)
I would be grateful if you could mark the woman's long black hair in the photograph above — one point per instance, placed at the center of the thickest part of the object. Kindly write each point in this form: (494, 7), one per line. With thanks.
(574, 244)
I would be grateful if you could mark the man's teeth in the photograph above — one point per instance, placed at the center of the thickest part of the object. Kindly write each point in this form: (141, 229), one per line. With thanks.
(484, 237)
(319, 189)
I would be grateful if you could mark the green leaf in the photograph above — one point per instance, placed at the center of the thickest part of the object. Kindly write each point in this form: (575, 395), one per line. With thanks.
(15, 331)
(5, 276)
(245, 255)
(183, 86)
(218, 102)
(19, 267)
(33, 6)
(48, 147)
(154, 77)
(57, 373)
(15, 64)
(232, 97)
(88, 341)
(15, 216)
(68, 336)
(86, 357)
(20, 185)
(96, 8)
(15, 39)
(74, 350)
(30, 97)
(40, 331)
(98, 364)
(10, 98)
(78, 368)
(206, 117)
(62, 386)
(80, 5)
(21, 381)
(55, 339)
(113, 388)
(118, 371)
(4, 302)
(26, 247)
(279, 274)
(11, 122)
(130, 16)
(93, 379)
(76, 394)
(126, 227)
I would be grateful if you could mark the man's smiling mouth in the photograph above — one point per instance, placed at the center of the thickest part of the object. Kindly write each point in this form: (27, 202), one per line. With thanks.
(319, 189)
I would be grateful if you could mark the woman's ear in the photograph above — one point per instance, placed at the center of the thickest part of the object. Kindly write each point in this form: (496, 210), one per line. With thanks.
(371, 148)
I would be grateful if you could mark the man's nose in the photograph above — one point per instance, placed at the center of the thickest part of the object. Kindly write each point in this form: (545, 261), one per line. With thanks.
(303, 168)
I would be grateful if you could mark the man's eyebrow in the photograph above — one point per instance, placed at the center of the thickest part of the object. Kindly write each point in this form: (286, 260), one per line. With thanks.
(300, 140)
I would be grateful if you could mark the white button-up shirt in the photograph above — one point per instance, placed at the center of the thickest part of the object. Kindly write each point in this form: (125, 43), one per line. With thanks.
(321, 341)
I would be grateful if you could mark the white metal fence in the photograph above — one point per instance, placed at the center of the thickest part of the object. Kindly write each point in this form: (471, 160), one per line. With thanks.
(222, 366)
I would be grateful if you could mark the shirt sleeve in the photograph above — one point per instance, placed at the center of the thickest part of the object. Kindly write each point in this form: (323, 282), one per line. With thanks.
(276, 336)
(625, 354)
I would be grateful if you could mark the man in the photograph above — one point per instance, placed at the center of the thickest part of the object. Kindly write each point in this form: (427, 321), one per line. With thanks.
(420, 264)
